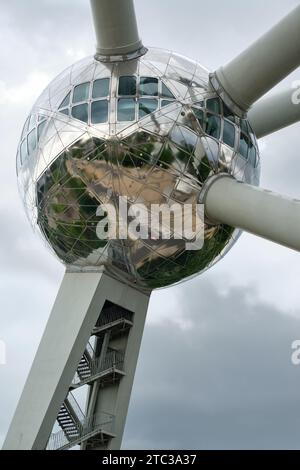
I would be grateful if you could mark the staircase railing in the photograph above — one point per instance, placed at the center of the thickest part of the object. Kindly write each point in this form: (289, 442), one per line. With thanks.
(76, 408)
(112, 359)
(113, 313)
(89, 348)
(100, 422)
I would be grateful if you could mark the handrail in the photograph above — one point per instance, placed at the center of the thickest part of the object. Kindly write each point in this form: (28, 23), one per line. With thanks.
(74, 404)
(89, 348)
(112, 359)
(100, 421)
(113, 313)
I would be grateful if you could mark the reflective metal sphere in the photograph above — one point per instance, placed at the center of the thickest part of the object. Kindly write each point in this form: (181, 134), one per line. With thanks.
(151, 129)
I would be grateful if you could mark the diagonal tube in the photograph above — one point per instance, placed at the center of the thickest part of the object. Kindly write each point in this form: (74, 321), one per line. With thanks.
(258, 211)
(262, 65)
(116, 29)
(275, 112)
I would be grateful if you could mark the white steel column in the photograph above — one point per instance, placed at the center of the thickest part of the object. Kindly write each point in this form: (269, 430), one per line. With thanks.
(79, 302)
(115, 27)
(275, 112)
(264, 64)
(258, 211)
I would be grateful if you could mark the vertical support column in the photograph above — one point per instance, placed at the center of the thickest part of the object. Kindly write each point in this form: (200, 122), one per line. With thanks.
(114, 397)
(77, 307)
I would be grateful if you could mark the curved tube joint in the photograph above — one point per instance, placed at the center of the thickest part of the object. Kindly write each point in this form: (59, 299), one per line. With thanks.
(116, 30)
(262, 65)
(258, 211)
(275, 112)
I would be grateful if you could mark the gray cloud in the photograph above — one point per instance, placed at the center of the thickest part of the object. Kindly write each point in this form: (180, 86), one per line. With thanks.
(225, 382)
(215, 368)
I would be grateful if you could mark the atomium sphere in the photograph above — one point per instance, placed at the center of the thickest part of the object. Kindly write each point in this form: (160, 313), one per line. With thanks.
(150, 129)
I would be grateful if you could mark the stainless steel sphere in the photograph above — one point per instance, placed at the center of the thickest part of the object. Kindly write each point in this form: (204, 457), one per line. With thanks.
(150, 129)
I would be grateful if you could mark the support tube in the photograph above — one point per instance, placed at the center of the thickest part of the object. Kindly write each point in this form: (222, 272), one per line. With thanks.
(262, 65)
(258, 211)
(116, 29)
(275, 112)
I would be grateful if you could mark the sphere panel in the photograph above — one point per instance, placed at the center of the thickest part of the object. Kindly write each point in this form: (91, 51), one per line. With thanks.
(150, 130)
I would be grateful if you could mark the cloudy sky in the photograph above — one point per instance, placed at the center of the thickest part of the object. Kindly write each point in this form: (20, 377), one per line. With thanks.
(215, 365)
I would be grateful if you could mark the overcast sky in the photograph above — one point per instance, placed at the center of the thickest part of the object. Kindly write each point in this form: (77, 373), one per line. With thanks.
(214, 369)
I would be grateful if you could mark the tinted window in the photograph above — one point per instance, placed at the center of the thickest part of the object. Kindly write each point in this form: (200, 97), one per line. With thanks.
(183, 137)
(213, 105)
(126, 110)
(213, 126)
(66, 101)
(100, 88)
(25, 128)
(166, 92)
(40, 129)
(228, 133)
(31, 141)
(252, 154)
(165, 103)
(244, 126)
(127, 86)
(244, 144)
(65, 111)
(99, 111)
(228, 113)
(200, 116)
(31, 122)
(147, 106)
(149, 86)
(23, 150)
(80, 112)
(81, 92)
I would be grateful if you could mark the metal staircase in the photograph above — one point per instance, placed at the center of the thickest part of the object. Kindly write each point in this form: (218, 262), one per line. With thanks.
(68, 421)
(99, 366)
(84, 366)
